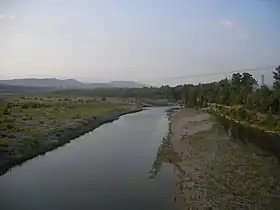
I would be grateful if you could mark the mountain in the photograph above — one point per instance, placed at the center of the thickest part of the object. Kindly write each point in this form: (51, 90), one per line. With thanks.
(127, 84)
(69, 83)
(46, 82)
(9, 90)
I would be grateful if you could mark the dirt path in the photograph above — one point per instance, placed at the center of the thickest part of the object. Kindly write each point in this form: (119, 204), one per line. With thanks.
(215, 171)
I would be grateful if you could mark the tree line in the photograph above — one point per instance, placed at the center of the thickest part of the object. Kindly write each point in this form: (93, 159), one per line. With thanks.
(241, 89)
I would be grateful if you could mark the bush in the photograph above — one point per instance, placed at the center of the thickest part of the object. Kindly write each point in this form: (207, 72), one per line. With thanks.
(6, 111)
(34, 142)
(35, 106)
(77, 116)
(270, 121)
(26, 117)
(25, 106)
(9, 126)
(241, 114)
(4, 143)
(7, 134)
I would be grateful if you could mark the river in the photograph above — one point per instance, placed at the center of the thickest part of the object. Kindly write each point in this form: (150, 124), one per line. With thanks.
(108, 168)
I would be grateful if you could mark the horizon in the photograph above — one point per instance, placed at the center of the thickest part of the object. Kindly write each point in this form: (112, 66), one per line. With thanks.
(146, 42)
(268, 79)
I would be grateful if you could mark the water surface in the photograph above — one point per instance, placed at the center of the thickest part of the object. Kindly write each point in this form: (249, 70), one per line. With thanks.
(105, 169)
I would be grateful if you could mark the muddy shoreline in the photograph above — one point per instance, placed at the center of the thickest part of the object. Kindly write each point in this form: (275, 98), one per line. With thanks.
(215, 171)
(54, 139)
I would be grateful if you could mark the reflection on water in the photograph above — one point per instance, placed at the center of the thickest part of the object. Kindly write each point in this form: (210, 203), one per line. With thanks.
(167, 154)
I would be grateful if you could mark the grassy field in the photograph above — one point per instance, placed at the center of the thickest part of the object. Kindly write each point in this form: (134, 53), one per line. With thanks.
(32, 115)
(24, 120)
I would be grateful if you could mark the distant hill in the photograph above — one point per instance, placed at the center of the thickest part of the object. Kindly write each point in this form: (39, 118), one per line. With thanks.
(69, 83)
(9, 90)
(127, 84)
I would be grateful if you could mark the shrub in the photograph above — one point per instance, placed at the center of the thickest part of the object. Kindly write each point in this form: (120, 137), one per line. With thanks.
(270, 121)
(77, 116)
(6, 111)
(24, 106)
(36, 105)
(9, 126)
(34, 142)
(9, 105)
(26, 117)
(241, 114)
(7, 134)
(278, 125)
(3, 145)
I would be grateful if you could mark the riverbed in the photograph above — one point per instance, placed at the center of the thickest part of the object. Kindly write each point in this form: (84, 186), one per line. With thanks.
(148, 160)
(108, 168)
(216, 170)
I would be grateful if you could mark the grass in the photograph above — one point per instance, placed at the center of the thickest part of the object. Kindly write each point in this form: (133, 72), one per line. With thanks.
(29, 116)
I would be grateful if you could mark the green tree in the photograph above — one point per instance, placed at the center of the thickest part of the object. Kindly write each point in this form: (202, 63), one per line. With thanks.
(235, 95)
(274, 104)
(276, 76)
(224, 91)
(192, 98)
(248, 83)
(263, 97)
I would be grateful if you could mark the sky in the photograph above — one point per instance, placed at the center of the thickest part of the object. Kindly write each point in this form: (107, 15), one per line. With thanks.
(149, 41)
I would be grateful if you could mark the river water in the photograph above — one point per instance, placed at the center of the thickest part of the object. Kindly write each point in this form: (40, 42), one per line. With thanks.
(108, 168)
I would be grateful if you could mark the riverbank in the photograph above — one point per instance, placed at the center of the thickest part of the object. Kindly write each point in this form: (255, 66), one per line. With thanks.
(269, 124)
(26, 137)
(252, 129)
(216, 171)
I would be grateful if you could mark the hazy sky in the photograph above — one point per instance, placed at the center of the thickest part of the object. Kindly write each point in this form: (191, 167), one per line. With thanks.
(144, 40)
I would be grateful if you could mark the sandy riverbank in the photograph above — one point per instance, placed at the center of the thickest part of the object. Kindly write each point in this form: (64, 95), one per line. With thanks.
(215, 171)
(54, 139)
